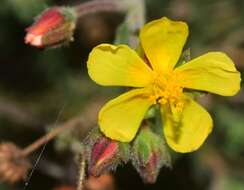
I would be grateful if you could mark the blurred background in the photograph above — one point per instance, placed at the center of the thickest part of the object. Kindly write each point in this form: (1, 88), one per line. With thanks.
(41, 87)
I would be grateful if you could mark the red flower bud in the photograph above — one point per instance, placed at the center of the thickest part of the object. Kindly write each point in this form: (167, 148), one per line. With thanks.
(54, 26)
(104, 154)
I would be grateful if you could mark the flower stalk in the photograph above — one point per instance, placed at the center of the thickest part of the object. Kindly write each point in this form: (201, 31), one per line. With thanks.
(98, 6)
(81, 173)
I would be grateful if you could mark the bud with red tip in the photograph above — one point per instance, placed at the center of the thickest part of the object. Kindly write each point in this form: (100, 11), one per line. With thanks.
(149, 154)
(55, 26)
(104, 154)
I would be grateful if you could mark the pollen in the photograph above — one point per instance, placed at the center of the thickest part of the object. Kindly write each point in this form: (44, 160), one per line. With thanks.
(167, 89)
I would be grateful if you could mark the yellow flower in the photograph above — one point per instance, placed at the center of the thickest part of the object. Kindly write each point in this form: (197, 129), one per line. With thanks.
(186, 124)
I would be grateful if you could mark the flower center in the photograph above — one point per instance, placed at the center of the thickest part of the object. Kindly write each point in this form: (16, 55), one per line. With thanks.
(167, 89)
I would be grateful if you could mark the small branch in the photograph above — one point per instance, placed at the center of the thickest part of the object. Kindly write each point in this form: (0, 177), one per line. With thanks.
(49, 136)
(82, 173)
(85, 121)
(98, 6)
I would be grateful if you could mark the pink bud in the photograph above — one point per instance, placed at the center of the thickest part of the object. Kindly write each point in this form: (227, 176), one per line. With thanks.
(103, 155)
(149, 154)
(52, 27)
(149, 171)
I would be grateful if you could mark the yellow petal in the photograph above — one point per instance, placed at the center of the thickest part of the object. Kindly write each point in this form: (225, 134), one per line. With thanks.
(111, 65)
(212, 72)
(163, 41)
(120, 118)
(187, 131)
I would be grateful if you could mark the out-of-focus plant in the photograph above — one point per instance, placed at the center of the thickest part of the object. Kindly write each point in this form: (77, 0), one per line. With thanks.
(13, 163)
(21, 8)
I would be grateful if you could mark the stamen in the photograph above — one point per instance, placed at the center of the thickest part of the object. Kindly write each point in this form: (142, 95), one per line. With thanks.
(167, 89)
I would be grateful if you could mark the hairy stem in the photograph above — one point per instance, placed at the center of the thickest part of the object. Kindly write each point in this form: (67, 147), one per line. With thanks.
(98, 6)
(81, 173)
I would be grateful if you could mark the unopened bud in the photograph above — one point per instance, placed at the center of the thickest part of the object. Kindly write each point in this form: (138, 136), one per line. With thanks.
(54, 27)
(104, 154)
(149, 154)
